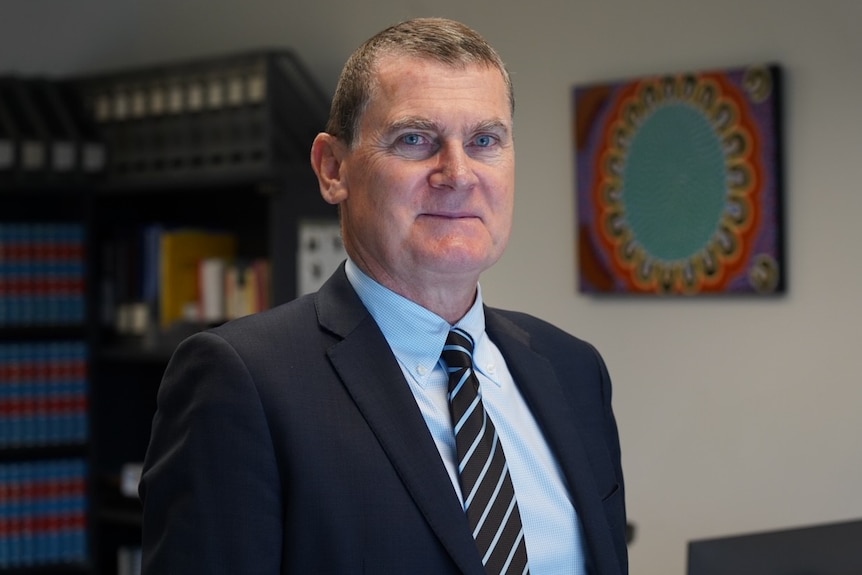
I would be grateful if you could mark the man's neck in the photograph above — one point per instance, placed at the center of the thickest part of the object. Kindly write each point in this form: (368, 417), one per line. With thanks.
(450, 299)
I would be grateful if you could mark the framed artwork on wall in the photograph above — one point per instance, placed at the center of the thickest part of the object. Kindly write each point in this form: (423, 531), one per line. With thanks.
(679, 184)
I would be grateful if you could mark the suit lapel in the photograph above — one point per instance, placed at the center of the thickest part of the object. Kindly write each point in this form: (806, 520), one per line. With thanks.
(542, 390)
(371, 374)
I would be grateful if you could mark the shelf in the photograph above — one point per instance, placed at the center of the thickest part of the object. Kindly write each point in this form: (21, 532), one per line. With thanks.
(40, 189)
(41, 332)
(113, 506)
(155, 349)
(115, 509)
(136, 354)
(43, 452)
(61, 569)
(121, 516)
(119, 510)
(43, 205)
(265, 180)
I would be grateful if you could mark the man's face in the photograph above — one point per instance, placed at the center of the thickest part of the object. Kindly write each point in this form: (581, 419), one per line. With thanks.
(429, 181)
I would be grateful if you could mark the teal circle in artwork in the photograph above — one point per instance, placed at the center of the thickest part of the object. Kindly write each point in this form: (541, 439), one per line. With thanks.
(674, 187)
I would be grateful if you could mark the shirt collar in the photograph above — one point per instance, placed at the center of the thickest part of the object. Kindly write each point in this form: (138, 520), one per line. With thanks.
(415, 334)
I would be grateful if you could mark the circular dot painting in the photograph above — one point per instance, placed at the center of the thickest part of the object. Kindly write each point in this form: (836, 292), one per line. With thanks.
(678, 184)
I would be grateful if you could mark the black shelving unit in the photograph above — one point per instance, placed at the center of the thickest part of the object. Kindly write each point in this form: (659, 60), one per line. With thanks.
(219, 144)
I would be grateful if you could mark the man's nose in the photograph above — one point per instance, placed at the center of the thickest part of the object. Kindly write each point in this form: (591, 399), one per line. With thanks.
(454, 168)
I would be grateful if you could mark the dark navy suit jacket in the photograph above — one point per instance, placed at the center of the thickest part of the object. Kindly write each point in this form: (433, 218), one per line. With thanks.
(289, 442)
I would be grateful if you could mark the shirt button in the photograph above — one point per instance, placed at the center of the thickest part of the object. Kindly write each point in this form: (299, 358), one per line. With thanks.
(491, 368)
(421, 370)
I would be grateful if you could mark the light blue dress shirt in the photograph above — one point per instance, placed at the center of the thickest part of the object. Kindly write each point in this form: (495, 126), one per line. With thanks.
(416, 336)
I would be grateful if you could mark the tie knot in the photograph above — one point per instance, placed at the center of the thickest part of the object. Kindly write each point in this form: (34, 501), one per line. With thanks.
(458, 351)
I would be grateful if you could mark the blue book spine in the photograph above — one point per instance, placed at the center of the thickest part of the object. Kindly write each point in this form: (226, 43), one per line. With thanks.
(4, 516)
(52, 431)
(36, 252)
(65, 390)
(15, 437)
(42, 391)
(77, 241)
(27, 405)
(82, 378)
(40, 484)
(25, 305)
(13, 273)
(29, 493)
(41, 235)
(79, 533)
(56, 510)
(57, 276)
(16, 480)
(5, 389)
(50, 506)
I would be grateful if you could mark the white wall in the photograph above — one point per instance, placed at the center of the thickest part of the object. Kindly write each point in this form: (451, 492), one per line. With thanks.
(735, 415)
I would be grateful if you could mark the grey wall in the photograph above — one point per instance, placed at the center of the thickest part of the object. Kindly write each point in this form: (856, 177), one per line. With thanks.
(735, 415)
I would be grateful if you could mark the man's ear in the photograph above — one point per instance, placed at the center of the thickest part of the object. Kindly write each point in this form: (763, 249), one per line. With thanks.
(327, 155)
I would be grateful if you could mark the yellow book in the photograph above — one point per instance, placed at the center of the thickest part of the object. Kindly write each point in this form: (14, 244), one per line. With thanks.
(180, 251)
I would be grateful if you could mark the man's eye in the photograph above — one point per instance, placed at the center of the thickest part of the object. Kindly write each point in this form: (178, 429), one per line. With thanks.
(485, 140)
(414, 145)
(413, 139)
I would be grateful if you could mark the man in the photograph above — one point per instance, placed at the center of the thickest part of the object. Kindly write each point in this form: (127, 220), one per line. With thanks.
(318, 437)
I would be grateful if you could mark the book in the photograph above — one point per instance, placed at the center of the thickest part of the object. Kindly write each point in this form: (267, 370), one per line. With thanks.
(180, 252)
(247, 287)
(92, 157)
(62, 146)
(211, 289)
(33, 137)
(42, 276)
(43, 514)
(43, 394)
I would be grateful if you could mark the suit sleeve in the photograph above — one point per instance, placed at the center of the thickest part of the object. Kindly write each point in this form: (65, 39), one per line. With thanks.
(210, 487)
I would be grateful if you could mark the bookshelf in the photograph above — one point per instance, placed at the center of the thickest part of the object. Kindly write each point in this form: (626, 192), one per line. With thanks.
(44, 380)
(217, 145)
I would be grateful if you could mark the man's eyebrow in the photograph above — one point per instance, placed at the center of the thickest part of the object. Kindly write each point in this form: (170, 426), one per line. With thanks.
(424, 124)
(412, 123)
(492, 126)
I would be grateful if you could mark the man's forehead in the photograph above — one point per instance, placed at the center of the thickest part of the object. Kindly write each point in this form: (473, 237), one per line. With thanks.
(385, 62)
(429, 81)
